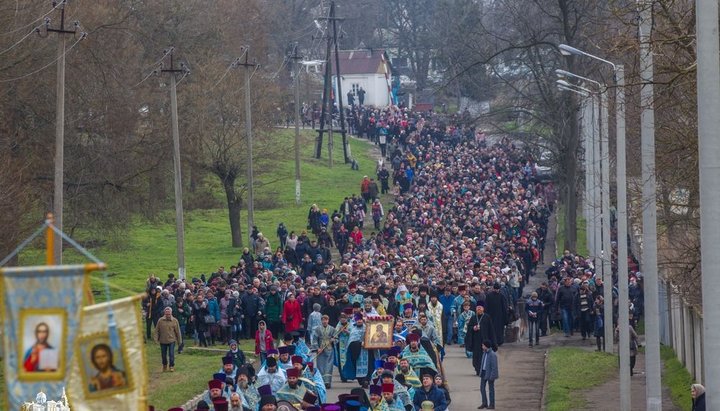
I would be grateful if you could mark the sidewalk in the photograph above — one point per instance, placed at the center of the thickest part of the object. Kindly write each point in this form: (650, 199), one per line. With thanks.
(597, 397)
(605, 396)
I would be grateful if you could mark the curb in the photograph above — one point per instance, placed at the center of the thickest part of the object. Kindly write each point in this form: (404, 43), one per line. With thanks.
(543, 398)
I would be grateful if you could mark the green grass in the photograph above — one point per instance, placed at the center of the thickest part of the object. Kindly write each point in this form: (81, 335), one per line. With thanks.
(677, 378)
(193, 368)
(574, 369)
(581, 245)
(192, 371)
(149, 246)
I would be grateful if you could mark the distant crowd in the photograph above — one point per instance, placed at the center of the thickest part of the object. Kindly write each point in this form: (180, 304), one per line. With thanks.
(446, 261)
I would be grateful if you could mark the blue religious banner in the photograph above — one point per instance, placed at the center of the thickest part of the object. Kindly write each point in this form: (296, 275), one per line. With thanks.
(41, 312)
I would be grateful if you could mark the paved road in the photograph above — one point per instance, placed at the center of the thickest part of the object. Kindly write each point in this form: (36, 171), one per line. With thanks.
(522, 369)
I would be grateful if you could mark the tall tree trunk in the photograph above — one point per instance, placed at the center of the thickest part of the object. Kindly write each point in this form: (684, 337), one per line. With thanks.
(234, 203)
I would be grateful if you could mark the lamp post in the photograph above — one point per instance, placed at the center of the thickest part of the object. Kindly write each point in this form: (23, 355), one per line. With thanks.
(708, 103)
(623, 303)
(601, 148)
(649, 214)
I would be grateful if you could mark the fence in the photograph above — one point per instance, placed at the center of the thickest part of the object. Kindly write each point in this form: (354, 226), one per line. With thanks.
(681, 327)
(681, 324)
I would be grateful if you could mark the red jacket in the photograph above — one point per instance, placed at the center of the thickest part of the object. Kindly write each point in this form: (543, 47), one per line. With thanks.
(292, 315)
(356, 237)
(267, 340)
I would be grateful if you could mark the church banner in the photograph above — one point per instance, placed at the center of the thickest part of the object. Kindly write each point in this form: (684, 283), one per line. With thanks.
(109, 371)
(40, 311)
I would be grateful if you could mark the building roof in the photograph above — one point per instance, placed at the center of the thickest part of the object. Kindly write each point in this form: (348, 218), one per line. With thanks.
(365, 61)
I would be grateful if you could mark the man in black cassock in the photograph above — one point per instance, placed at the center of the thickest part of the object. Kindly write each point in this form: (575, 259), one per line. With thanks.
(479, 329)
(497, 306)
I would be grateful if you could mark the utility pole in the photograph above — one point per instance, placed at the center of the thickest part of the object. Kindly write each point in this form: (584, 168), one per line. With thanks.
(58, 185)
(606, 246)
(172, 71)
(249, 70)
(622, 253)
(708, 103)
(339, 85)
(296, 58)
(649, 214)
(327, 105)
(589, 186)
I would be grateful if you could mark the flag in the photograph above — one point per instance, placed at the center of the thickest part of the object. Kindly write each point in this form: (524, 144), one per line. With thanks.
(109, 371)
(40, 311)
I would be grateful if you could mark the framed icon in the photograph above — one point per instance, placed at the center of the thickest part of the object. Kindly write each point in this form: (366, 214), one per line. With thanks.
(379, 332)
(103, 368)
(41, 349)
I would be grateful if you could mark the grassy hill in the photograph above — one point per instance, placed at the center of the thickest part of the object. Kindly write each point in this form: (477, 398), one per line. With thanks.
(149, 246)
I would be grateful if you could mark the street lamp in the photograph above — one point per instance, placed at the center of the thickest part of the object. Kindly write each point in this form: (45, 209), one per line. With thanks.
(564, 83)
(566, 50)
(623, 303)
(580, 92)
(601, 148)
(563, 73)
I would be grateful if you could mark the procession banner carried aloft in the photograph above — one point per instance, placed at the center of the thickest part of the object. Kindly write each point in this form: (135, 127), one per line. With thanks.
(379, 332)
(41, 313)
(109, 370)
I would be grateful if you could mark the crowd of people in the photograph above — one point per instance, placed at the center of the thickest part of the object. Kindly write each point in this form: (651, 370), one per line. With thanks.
(446, 263)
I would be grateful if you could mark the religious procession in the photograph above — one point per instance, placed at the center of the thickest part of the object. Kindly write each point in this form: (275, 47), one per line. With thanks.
(449, 266)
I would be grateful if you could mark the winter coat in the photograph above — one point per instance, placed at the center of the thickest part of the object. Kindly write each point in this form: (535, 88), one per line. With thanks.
(167, 331)
(534, 308)
(434, 395)
(273, 307)
(698, 403)
(492, 372)
(292, 315)
(266, 340)
(214, 309)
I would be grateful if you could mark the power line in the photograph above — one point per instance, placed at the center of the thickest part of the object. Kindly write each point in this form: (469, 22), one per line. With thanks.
(160, 60)
(230, 66)
(187, 73)
(35, 30)
(274, 76)
(82, 37)
(156, 66)
(154, 72)
(58, 4)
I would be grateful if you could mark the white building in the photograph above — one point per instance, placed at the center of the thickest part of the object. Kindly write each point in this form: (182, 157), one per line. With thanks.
(368, 69)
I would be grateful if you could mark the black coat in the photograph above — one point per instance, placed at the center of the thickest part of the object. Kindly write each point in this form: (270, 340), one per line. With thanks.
(332, 311)
(699, 403)
(496, 305)
(474, 339)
